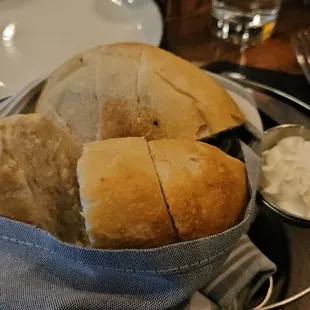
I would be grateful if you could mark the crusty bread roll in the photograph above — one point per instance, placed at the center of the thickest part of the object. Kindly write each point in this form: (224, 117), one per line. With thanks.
(132, 89)
(139, 194)
(38, 183)
(121, 197)
(204, 187)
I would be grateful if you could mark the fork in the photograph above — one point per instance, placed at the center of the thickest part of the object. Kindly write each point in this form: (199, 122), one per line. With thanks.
(301, 44)
(17, 103)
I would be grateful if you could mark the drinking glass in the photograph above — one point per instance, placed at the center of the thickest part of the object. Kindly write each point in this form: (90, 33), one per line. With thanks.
(244, 22)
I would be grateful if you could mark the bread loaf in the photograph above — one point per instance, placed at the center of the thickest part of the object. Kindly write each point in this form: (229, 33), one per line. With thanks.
(139, 194)
(132, 89)
(121, 197)
(38, 183)
(204, 187)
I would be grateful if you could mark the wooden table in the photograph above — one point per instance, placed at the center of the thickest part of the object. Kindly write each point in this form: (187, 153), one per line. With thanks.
(188, 35)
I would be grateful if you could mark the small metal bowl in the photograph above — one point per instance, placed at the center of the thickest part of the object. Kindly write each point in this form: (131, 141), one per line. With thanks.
(271, 137)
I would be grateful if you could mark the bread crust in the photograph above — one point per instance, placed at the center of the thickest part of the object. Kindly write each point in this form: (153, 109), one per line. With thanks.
(121, 197)
(38, 183)
(147, 90)
(138, 194)
(204, 188)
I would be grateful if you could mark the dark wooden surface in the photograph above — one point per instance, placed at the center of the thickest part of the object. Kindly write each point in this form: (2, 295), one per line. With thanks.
(188, 35)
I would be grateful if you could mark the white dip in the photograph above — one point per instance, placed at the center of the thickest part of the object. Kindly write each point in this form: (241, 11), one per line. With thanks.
(286, 175)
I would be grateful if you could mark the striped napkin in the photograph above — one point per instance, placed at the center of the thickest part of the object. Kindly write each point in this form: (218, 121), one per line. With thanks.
(244, 272)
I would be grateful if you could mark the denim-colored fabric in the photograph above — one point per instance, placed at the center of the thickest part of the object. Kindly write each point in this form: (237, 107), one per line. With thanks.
(40, 272)
(239, 278)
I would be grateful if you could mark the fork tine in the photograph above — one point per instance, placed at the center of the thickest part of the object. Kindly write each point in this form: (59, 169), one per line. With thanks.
(304, 41)
(3, 107)
(11, 108)
(302, 51)
(7, 109)
(18, 102)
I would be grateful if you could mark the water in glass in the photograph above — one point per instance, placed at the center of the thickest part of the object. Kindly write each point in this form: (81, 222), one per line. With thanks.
(244, 22)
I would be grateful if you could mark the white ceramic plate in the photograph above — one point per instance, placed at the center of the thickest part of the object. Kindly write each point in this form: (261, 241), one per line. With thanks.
(45, 33)
(241, 96)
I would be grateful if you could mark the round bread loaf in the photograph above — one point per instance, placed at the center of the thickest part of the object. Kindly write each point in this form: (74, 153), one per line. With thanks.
(38, 183)
(132, 89)
(139, 194)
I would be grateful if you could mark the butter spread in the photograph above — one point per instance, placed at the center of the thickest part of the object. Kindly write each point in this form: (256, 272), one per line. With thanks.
(286, 175)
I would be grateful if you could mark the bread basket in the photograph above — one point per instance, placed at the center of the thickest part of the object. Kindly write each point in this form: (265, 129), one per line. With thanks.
(72, 277)
(159, 278)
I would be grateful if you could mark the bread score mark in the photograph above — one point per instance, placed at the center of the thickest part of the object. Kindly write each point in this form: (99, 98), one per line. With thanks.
(176, 231)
